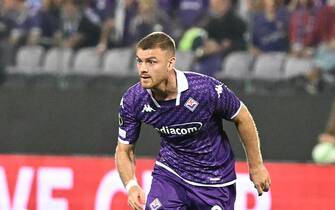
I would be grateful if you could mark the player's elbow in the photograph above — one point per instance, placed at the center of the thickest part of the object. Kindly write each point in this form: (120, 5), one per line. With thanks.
(124, 149)
(243, 115)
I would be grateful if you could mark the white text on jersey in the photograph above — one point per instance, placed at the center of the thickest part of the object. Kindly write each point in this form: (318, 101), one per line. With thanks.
(180, 129)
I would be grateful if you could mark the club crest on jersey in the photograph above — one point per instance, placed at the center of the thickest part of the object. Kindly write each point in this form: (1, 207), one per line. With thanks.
(155, 204)
(191, 104)
(147, 108)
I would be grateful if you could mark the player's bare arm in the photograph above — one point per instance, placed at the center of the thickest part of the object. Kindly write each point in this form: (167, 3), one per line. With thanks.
(125, 161)
(249, 137)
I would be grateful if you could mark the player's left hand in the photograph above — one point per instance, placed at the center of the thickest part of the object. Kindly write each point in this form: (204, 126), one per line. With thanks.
(260, 176)
(136, 198)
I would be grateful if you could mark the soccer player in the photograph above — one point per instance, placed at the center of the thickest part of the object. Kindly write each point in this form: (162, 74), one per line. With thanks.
(195, 166)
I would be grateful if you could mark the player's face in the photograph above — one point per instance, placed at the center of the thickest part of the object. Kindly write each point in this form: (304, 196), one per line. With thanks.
(153, 66)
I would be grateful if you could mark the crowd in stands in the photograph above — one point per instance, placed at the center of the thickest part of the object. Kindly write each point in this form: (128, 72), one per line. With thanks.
(210, 29)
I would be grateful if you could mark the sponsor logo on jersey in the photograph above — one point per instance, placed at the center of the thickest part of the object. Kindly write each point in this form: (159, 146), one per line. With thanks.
(191, 104)
(180, 129)
(219, 89)
(155, 204)
(147, 108)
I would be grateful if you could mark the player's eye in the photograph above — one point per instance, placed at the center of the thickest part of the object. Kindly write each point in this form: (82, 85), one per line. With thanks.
(152, 61)
(139, 61)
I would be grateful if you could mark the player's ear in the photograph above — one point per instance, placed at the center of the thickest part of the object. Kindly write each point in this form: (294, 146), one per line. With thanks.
(172, 62)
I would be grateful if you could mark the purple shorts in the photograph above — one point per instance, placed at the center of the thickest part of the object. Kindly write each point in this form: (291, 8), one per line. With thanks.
(172, 193)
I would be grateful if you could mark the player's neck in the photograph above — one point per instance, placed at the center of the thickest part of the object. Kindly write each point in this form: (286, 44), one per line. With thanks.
(167, 90)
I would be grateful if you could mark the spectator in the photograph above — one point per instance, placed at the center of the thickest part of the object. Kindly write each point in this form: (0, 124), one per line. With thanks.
(190, 12)
(116, 30)
(324, 151)
(225, 31)
(324, 57)
(89, 26)
(19, 20)
(149, 19)
(303, 31)
(69, 22)
(269, 28)
(320, 3)
(47, 22)
(80, 26)
(192, 39)
(192, 20)
(316, 3)
(104, 8)
(170, 6)
(34, 5)
(245, 8)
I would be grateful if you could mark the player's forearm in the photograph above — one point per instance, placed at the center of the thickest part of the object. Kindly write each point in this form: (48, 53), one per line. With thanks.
(251, 145)
(249, 137)
(125, 162)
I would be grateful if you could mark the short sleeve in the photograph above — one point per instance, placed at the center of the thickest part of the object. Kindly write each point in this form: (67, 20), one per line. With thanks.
(129, 126)
(227, 104)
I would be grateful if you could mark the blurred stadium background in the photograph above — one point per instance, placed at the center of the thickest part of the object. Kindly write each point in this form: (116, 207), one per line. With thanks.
(64, 65)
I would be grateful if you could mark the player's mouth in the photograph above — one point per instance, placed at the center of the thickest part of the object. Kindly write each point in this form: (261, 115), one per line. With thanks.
(145, 77)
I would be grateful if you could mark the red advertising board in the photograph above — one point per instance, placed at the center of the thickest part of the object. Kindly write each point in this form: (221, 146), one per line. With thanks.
(92, 183)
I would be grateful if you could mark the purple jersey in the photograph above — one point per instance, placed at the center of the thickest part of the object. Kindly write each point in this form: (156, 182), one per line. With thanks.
(194, 146)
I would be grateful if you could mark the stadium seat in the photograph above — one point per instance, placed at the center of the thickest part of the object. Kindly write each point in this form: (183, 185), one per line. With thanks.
(119, 62)
(236, 66)
(269, 67)
(57, 60)
(28, 60)
(184, 60)
(297, 67)
(86, 62)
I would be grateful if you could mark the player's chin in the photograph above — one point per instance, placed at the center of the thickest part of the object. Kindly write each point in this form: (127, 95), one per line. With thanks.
(146, 84)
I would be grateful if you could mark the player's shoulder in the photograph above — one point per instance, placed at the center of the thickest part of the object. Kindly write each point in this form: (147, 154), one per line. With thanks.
(135, 89)
(199, 80)
(134, 93)
(207, 86)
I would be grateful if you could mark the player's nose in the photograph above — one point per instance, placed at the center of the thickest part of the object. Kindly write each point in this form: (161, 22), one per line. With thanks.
(142, 68)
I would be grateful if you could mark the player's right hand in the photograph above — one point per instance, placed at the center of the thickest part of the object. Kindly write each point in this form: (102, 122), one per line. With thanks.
(259, 175)
(136, 198)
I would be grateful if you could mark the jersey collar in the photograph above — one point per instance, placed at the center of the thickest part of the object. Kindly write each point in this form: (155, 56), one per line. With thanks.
(182, 85)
